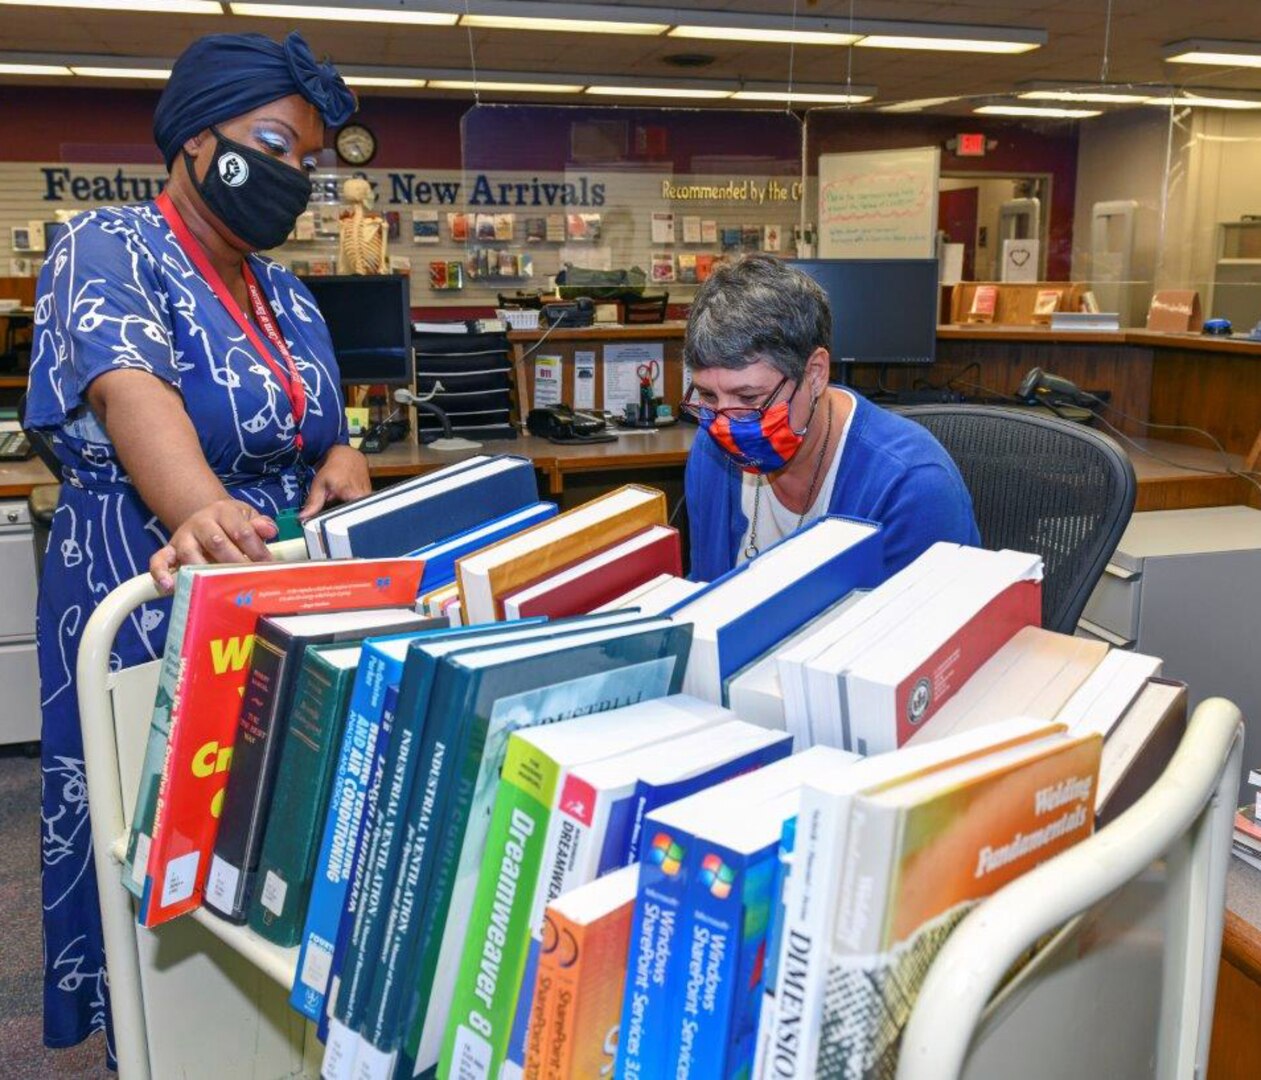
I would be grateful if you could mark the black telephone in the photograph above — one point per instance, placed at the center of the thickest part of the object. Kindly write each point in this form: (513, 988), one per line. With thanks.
(561, 424)
(15, 446)
(577, 312)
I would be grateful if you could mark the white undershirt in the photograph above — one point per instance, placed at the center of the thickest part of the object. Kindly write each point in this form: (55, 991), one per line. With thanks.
(775, 520)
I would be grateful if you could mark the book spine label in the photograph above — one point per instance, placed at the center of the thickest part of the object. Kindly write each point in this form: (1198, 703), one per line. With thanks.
(315, 726)
(609, 688)
(136, 864)
(247, 797)
(338, 851)
(648, 1002)
(809, 906)
(491, 969)
(774, 946)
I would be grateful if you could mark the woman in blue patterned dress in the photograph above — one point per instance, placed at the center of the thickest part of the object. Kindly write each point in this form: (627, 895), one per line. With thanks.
(191, 393)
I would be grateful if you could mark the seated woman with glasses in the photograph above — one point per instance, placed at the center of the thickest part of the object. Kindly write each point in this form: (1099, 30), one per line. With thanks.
(779, 447)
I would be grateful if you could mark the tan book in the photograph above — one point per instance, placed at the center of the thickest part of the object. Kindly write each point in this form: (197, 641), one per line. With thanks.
(1033, 675)
(488, 575)
(1140, 747)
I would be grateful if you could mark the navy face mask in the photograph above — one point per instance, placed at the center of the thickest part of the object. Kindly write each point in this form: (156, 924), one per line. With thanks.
(257, 197)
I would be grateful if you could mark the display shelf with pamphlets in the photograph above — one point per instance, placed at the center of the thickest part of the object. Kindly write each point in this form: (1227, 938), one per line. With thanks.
(541, 845)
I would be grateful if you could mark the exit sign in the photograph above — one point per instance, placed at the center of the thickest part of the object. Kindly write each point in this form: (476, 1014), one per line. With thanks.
(972, 145)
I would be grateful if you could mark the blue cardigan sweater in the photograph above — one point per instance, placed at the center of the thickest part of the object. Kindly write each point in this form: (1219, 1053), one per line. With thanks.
(892, 471)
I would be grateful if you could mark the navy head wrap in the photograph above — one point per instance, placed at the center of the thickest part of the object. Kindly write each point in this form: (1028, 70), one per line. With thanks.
(222, 76)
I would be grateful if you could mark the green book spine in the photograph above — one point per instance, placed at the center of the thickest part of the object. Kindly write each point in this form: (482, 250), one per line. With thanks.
(493, 961)
(144, 819)
(278, 910)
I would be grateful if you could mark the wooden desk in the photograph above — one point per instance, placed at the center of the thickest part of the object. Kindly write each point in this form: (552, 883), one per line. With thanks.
(17, 478)
(1237, 1015)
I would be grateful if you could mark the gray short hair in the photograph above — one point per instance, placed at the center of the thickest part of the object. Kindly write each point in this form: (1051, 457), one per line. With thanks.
(757, 308)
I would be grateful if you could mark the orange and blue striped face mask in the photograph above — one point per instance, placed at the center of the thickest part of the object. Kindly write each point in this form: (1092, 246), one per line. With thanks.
(763, 443)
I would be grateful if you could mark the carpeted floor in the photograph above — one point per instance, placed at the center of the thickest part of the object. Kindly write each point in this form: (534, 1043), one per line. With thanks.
(22, 1052)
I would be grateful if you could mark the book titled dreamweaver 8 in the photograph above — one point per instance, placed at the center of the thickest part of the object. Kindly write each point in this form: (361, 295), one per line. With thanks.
(200, 683)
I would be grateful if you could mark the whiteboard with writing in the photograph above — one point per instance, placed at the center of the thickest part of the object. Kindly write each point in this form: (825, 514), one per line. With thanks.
(879, 204)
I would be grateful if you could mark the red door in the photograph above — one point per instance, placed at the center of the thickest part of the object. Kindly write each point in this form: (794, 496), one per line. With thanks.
(957, 217)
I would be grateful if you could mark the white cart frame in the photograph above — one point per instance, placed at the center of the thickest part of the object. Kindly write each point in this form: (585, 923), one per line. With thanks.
(200, 996)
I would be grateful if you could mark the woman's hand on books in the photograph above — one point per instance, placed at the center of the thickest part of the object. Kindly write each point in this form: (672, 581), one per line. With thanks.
(341, 477)
(226, 531)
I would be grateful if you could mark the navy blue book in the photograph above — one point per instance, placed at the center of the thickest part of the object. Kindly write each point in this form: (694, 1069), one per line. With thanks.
(413, 515)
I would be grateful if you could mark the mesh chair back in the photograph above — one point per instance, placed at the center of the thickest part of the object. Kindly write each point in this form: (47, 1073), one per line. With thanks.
(1044, 485)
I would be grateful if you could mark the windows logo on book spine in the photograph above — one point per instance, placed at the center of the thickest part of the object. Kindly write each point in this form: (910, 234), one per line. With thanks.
(717, 876)
(666, 854)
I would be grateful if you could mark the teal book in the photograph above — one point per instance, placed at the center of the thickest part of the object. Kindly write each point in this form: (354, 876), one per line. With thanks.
(307, 761)
(499, 691)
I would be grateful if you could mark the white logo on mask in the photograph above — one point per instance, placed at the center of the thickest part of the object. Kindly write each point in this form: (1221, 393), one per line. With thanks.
(233, 170)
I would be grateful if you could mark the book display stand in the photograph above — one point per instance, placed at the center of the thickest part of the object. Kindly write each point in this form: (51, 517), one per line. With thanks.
(1136, 912)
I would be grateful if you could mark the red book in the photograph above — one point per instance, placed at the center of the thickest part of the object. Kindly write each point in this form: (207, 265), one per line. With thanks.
(200, 687)
(592, 582)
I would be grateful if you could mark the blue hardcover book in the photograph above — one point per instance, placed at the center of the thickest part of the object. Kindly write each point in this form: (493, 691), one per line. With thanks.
(335, 863)
(748, 610)
(439, 558)
(427, 513)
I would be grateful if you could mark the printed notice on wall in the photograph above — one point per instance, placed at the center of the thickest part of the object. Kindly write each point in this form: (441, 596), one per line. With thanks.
(584, 379)
(622, 364)
(547, 381)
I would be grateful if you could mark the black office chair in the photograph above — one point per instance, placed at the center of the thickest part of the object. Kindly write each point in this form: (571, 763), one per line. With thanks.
(1044, 485)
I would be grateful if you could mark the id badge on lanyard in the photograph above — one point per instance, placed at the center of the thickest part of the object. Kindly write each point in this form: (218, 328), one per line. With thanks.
(287, 375)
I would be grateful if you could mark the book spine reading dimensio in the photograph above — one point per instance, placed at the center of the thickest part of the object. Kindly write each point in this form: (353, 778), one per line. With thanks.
(279, 907)
(247, 798)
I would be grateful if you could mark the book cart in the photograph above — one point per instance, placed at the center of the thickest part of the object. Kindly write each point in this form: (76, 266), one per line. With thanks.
(1114, 944)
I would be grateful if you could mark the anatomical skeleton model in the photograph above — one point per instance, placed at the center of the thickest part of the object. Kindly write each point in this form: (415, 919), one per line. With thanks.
(364, 235)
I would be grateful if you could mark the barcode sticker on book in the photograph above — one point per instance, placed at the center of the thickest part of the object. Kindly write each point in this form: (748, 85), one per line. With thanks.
(471, 1058)
(274, 889)
(181, 878)
(316, 966)
(141, 863)
(221, 884)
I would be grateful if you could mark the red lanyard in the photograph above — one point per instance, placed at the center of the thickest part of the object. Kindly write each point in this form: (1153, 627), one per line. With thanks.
(288, 375)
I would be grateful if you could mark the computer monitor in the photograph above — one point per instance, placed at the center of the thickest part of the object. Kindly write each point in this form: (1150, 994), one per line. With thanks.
(370, 321)
(884, 311)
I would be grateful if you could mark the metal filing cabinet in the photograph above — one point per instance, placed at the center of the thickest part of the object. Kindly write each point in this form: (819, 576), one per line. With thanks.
(19, 673)
(1185, 585)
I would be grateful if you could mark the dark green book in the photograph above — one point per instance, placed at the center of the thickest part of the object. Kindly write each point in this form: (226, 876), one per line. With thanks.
(307, 760)
(280, 642)
(497, 690)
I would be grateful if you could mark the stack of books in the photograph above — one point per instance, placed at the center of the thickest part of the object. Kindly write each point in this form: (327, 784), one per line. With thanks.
(1247, 843)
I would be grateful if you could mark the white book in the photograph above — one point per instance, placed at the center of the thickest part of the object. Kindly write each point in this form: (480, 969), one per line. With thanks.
(1103, 698)
(755, 693)
(313, 530)
(877, 676)
(788, 1047)
(776, 569)
(872, 620)
(656, 596)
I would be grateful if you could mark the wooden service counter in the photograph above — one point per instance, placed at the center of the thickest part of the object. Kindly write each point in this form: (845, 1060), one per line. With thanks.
(1237, 1015)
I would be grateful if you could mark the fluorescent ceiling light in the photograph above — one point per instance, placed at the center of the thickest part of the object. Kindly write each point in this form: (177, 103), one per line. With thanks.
(508, 87)
(120, 72)
(916, 105)
(944, 44)
(749, 33)
(571, 26)
(1033, 110)
(1196, 101)
(796, 95)
(1096, 97)
(174, 7)
(657, 91)
(344, 14)
(382, 80)
(33, 69)
(1223, 53)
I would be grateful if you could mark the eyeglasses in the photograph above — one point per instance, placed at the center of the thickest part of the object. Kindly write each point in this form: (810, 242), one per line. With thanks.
(738, 413)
